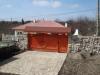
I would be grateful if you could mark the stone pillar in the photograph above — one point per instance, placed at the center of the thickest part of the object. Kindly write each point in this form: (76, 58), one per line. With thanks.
(16, 37)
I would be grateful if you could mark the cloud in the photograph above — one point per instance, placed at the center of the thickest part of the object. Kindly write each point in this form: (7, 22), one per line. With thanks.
(56, 4)
(75, 6)
(53, 4)
(72, 6)
(40, 2)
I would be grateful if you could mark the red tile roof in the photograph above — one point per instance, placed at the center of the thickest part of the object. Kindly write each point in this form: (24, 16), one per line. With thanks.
(48, 29)
(40, 24)
(43, 26)
(22, 27)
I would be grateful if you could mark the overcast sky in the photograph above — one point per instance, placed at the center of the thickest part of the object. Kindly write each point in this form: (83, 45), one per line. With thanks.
(47, 8)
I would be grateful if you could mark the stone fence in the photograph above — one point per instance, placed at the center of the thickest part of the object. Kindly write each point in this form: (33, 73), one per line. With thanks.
(21, 40)
(87, 43)
(6, 37)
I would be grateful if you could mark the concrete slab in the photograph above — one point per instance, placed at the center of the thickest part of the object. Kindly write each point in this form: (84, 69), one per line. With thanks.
(35, 63)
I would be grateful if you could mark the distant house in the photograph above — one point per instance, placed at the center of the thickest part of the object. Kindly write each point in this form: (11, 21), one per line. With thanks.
(5, 29)
(44, 36)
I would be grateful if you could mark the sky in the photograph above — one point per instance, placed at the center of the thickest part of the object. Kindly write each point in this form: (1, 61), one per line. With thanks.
(48, 9)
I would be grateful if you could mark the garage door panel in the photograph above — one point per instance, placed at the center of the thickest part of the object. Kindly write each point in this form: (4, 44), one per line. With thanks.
(37, 41)
(51, 42)
(63, 40)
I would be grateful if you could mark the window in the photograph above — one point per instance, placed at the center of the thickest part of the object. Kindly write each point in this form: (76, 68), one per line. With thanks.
(19, 33)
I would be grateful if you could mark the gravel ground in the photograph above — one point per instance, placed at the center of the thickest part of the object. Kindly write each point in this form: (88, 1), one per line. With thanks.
(33, 63)
(75, 65)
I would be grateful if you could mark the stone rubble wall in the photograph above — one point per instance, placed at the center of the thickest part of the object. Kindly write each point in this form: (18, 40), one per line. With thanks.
(21, 40)
(6, 37)
(89, 43)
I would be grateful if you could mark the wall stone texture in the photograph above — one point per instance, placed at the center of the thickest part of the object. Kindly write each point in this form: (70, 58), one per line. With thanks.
(89, 43)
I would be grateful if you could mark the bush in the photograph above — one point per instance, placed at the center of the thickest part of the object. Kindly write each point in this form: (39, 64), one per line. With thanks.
(7, 52)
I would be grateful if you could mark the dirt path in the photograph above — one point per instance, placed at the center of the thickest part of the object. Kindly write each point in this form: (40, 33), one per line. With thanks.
(90, 66)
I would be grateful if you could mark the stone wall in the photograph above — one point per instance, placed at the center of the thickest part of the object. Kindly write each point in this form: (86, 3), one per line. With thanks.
(21, 40)
(89, 43)
(7, 37)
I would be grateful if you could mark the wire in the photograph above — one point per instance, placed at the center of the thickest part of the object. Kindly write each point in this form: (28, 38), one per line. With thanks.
(55, 14)
(81, 11)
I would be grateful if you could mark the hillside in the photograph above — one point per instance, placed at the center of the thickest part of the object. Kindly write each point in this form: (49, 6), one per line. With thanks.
(86, 26)
(5, 26)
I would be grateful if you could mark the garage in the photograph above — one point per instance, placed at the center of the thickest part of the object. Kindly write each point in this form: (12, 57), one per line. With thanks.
(46, 36)
(48, 42)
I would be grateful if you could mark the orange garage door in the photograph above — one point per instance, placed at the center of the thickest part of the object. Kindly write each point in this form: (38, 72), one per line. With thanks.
(44, 42)
(51, 42)
(37, 41)
(63, 43)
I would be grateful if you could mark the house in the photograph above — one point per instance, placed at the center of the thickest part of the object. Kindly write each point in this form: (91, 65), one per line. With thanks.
(44, 36)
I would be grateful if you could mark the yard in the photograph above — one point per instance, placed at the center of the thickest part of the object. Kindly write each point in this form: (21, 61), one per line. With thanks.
(7, 50)
(76, 65)
(33, 63)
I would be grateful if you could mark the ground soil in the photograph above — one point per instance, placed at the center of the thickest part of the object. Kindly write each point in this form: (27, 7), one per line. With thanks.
(7, 74)
(76, 65)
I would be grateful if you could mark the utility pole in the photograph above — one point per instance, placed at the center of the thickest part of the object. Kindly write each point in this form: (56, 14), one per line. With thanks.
(11, 20)
(98, 11)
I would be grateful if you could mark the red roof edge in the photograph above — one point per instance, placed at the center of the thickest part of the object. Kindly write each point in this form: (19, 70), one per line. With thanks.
(48, 29)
